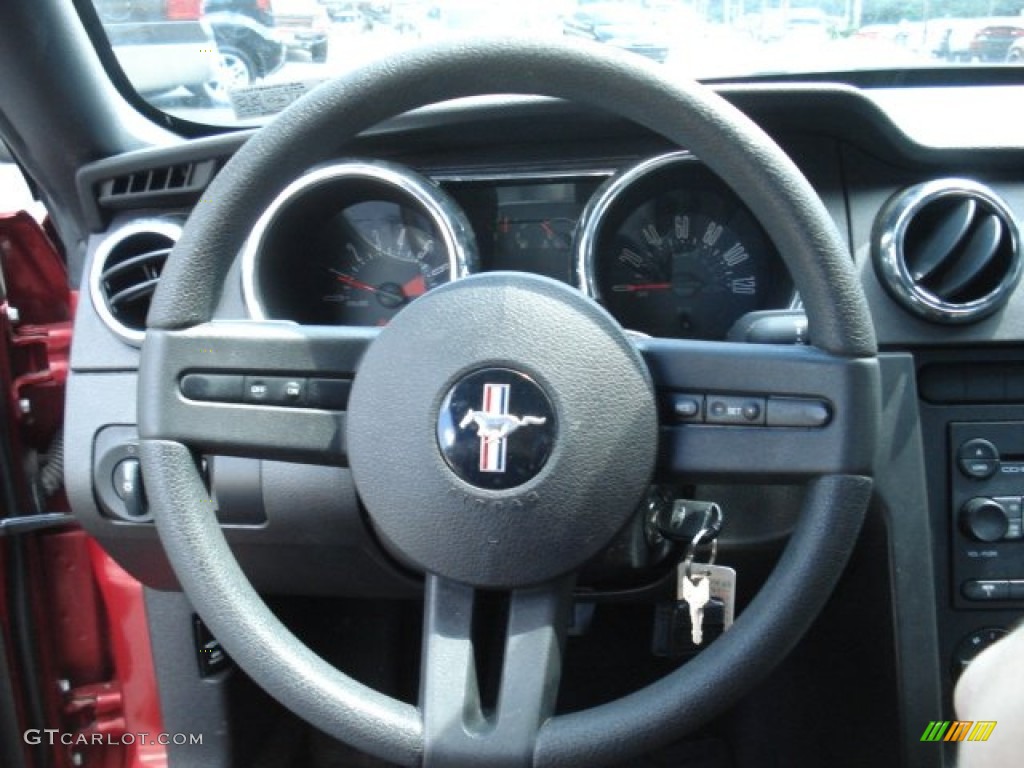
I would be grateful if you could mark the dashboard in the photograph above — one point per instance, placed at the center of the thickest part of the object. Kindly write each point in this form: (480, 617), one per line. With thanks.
(644, 228)
(662, 243)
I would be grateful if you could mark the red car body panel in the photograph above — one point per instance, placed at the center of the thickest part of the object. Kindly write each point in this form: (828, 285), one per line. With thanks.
(93, 653)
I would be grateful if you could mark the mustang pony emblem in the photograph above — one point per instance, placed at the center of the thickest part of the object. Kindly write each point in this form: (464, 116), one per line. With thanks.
(494, 424)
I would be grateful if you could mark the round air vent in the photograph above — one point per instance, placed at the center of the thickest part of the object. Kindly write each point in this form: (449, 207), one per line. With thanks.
(948, 250)
(125, 271)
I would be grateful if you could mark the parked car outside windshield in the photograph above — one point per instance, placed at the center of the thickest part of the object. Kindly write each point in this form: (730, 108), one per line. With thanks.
(708, 40)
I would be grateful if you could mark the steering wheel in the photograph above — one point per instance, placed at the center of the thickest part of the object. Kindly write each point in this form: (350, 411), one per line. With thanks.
(592, 395)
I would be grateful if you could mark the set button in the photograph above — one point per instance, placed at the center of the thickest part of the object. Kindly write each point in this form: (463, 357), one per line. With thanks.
(735, 410)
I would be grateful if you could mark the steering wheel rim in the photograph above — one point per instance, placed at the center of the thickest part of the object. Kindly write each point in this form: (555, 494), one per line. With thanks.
(686, 113)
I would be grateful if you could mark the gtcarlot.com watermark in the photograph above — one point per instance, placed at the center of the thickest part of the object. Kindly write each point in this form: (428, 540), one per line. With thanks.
(54, 737)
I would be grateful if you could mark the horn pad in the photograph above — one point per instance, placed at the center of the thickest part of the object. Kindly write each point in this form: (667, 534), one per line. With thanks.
(501, 430)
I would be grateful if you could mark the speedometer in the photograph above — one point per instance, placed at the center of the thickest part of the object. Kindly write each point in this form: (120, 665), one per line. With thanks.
(672, 252)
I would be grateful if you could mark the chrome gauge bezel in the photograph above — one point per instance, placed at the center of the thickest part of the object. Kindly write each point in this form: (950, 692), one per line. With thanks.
(425, 196)
(602, 207)
(595, 213)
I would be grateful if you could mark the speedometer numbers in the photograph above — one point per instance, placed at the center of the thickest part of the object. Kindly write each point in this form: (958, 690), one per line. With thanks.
(671, 251)
(687, 275)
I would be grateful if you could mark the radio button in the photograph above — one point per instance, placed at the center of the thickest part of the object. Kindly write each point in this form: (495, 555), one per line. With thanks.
(988, 589)
(978, 459)
(1012, 505)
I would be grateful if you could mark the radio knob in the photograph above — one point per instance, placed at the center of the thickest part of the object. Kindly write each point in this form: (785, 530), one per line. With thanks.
(984, 519)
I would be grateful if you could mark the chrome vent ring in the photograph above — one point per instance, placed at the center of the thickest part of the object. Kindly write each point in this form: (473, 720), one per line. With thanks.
(125, 270)
(947, 250)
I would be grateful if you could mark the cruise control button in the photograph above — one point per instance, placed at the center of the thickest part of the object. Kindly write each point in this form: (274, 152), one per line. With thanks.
(686, 407)
(735, 410)
(329, 394)
(257, 389)
(293, 391)
(987, 589)
(796, 412)
(212, 387)
(275, 390)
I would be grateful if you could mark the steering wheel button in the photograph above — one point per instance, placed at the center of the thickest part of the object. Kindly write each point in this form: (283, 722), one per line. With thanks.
(796, 412)
(293, 391)
(329, 394)
(735, 410)
(1016, 587)
(257, 390)
(686, 407)
(212, 387)
(275, 390)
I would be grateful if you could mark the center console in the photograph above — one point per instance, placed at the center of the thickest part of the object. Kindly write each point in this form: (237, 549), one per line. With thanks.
(972, 417)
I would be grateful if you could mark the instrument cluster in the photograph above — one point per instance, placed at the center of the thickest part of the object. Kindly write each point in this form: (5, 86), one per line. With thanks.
(666, 246)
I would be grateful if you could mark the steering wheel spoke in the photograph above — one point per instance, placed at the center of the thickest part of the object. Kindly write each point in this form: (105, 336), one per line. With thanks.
(458, 729)
(262, 389)
(751, 412)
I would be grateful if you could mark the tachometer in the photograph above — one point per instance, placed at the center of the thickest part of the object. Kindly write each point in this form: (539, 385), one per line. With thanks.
(378, 256)
(672, 252)
(353, 243)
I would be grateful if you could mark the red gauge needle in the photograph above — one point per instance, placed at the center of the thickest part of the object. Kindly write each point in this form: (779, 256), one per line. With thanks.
(634, 287)
(347, 280)
(341, 277)
(415, 287)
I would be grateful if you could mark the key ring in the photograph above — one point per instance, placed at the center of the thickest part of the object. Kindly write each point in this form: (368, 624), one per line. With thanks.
(709, 531)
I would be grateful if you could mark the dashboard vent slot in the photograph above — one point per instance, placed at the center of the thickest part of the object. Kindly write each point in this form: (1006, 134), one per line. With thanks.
(153, 185)
(948, 250)
(125, 272)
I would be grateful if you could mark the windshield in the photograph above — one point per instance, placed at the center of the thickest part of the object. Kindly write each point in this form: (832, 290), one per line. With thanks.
(238, 62)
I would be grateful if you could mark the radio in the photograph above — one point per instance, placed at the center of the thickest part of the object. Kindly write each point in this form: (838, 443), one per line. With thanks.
(987, 522)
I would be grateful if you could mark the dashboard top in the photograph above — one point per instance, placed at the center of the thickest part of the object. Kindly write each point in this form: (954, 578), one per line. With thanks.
(858, 147)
